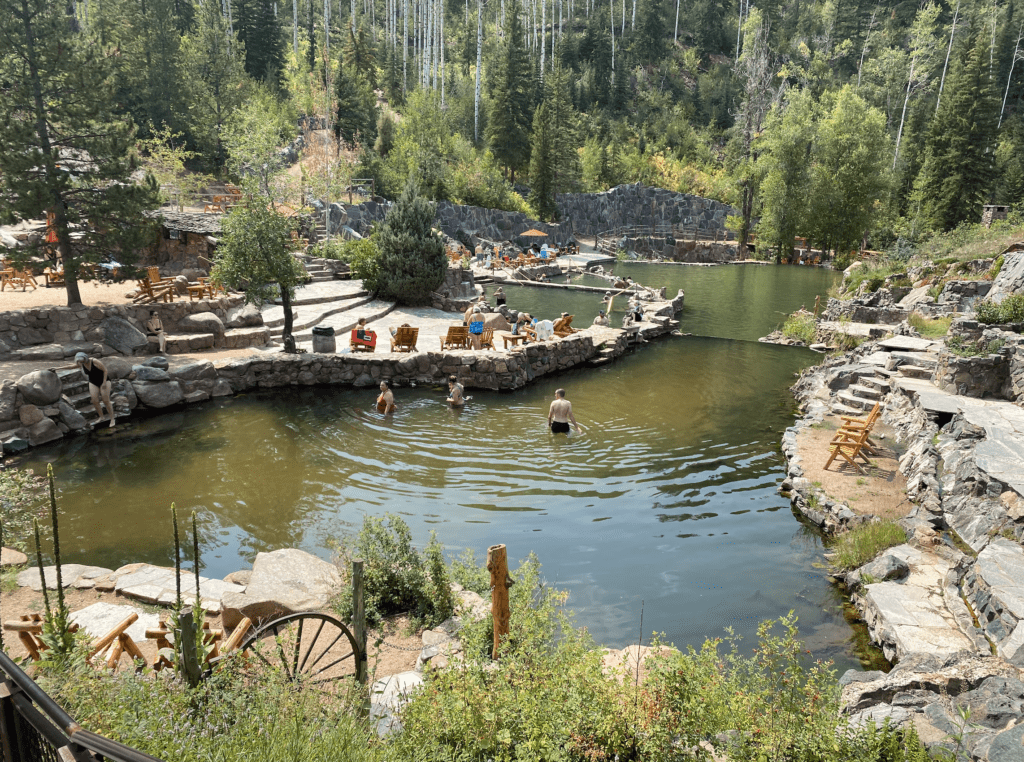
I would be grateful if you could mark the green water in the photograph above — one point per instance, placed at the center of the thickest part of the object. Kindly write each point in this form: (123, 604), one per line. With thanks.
(668, 499)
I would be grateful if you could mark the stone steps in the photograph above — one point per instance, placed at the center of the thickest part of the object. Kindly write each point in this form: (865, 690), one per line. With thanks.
(916, 371)
(865, 392)
(846, 410)
(876, 383)
(860, 404)
(919, 359)
(345, 321)
(303, 301)
(308, 318)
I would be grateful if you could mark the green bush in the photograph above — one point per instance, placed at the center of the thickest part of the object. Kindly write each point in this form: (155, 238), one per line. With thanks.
(397, 578)
(21, 500)
(1010, 310)
(962, 347)
(853, 549)
(800, 327)
(874, 274)
(931, 328)
(412, 261)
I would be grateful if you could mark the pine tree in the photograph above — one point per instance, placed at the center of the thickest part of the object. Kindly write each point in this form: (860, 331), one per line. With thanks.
(412, 258)
(648, 44)
(542, 164)
(360, 56)
(261, 33)
(511, 113)
(958, 170)
(357, 108)
(62, 149)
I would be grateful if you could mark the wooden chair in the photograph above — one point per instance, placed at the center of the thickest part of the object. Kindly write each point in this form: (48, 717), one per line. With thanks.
(362, 340)
(849, 446)
(487, 339)
(214, 289)
(457, 338)
(161, 635)
(149, 293)
(854, 425)
(405, 339)
(563, 326)
(14, 278)
(109, 649)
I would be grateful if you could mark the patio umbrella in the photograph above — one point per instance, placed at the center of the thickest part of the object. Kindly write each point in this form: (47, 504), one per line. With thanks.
(533, 233)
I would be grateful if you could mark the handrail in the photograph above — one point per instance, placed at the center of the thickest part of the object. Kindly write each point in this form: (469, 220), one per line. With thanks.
(54, 724)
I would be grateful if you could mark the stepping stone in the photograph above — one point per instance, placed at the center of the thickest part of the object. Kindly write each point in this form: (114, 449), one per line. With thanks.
(100, 618)
(12, 557)
(70, 575)
(916, 371)
(908, 344)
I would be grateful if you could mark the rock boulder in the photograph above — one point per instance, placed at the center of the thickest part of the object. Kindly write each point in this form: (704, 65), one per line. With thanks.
(30, 415)
(157, 394)
(123, 336)
(71, 417)
(203, 322)
(117, 368)
(40, 387)
(43, 432)
(147, 373)
(244, 316)
(283, 582)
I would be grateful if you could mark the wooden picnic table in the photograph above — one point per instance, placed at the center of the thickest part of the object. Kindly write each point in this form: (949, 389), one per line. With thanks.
(515, 338)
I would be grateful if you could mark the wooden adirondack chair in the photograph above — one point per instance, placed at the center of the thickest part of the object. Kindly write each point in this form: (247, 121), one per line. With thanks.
(149, 293)
(405, 339)
(487, 339)
(15, 278)
(849, 447)
(457, 338)
(855, 425)
(366, 342)
(563, 326)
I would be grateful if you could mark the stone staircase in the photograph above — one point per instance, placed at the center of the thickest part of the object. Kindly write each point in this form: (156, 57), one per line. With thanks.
(76, 392)
(875, 379)
(316, 271)
(338, 304)
(916, 364)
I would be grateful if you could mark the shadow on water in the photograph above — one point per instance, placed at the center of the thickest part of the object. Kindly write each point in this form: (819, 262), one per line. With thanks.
(669, 496)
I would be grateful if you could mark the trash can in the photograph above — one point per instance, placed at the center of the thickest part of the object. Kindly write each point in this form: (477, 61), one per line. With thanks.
(323, 340)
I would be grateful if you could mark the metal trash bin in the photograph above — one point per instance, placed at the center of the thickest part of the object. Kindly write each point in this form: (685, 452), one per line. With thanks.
(324, 342)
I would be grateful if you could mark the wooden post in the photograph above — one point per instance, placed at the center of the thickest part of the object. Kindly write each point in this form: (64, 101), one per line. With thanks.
(817, 304)
(497, 565)
(359, 619)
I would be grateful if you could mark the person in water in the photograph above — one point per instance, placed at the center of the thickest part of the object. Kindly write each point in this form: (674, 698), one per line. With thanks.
(99, 384)
(499, 296)
(386, 399)
(456, 397)
(560, 414)
(601, 319)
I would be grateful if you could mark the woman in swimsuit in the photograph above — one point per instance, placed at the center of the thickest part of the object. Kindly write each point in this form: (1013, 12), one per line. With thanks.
(455, 392)
(96, 372)
(386, 399)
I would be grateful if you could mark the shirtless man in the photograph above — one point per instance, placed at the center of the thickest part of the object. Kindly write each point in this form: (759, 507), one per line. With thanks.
(96, 372)
(560, 414)
(155, 329)
(455, 392)
(386, 399)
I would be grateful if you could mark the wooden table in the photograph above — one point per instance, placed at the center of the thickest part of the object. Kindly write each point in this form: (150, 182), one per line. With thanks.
(515, 338)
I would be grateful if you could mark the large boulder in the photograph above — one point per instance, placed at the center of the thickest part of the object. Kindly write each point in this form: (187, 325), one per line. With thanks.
(203, 322)
(244, 316)
(123, 336)
(195, 371)
(493, 320)
(1010, 279)
(148, 373)
(71, 417)
(40, 387)
(117, 368)
(283, 582)
(30, 415)
(43, 432)
(157, 394)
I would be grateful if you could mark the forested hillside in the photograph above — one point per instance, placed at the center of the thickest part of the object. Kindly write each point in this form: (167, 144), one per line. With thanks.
(847, 121)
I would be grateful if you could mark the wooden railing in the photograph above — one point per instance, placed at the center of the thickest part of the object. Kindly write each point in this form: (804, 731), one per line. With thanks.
(606, 242)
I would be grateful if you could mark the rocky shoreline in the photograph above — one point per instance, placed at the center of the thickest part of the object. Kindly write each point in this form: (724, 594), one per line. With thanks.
(948, 605)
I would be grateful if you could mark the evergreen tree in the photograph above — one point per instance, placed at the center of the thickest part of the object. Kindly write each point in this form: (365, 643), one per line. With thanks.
(648, 44)
(958, 170)
(412, 258)
(261, 34)
(511, 113)
(1010, 158)
(214, 80)
(62, 149)
(542, 164)
(357, 108)
(360, 57)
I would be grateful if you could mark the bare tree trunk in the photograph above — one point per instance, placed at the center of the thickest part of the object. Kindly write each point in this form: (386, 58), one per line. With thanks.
(632, 21)
(675, 34)
(906, 100)
(352, 11)
(295, 28)
(405, 46)
(479, 46)
(441, 46)
(942, 82)
(1013, 61)
(623, 32)
(867, 38)
(611, 14)
(543, 35)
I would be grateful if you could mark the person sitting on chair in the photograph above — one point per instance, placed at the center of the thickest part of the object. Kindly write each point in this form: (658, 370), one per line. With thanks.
(362, 333)
(155, 330)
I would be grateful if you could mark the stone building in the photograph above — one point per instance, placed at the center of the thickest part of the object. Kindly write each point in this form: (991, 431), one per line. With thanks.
(187, 241)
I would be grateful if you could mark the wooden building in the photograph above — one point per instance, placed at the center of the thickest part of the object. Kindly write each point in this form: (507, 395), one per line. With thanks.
(187, 241)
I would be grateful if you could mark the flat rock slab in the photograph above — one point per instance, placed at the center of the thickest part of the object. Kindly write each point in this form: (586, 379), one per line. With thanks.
(387, 696)
(283, 582)
(908, 344)
(12, 557)
(100, 618)
(156, 584)
(910, 616)
(70, 574)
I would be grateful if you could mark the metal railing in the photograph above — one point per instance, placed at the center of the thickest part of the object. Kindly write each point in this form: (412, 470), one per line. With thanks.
(606, 242)
(33, 727)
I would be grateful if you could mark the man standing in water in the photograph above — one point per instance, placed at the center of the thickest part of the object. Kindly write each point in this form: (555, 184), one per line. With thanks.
(560, 413)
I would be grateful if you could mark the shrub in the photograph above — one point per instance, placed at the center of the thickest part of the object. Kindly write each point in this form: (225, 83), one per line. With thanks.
(412, 259)
(874, 274)
(801, 327)
(932, 328)
(855, 548)
(1010, 310)
(21, 500)
(397, 578)
(997, 266)
(962, 347)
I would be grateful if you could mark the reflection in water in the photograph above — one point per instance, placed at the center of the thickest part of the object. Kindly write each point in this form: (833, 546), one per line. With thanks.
(669, 496)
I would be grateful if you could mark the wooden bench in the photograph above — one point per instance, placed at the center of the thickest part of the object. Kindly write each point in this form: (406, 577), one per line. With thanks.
(405, 339)
(457, 338)
(54, 276)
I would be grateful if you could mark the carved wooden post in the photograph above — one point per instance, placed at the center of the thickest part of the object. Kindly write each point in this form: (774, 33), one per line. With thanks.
(817, 304)
(359, 619)
(497, 565)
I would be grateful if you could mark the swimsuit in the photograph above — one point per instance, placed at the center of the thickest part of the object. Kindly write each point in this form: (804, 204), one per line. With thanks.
(95, 375)
(559, 427)
(476, 327)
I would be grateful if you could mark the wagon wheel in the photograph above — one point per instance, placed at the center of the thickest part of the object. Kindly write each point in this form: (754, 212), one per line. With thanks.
(314, 650)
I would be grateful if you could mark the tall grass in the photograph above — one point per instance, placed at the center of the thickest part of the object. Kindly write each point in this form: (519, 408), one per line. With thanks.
(931, 328)
(800, 327)
(855, 548)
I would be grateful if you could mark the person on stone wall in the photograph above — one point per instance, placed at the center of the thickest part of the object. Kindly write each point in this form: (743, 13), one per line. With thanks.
(99, 384)
(155, 330)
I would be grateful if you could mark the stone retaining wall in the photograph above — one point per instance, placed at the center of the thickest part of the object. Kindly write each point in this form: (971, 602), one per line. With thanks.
(54, 333)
